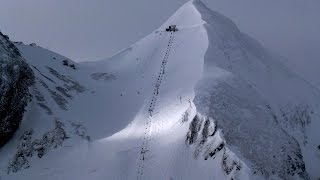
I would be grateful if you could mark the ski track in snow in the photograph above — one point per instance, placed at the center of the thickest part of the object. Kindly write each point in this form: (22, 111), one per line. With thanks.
(145, 145)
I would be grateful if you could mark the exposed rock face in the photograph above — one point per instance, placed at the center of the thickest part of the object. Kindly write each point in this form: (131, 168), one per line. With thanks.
(205, 139)
(15, 78)
(27, 148)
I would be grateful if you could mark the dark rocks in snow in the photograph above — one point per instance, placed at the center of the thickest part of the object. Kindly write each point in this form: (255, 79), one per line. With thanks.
(64, 92)
(70, 84)
(43, 84)
(7, 47)
(34, 67)
(39, 97)
(295, 165)
(60, 93)
(66, 62)
(81, 131)
(46, 108)
(185, 116)
(209, 129)
(216, 150)
(51, 139)
(194, 128)
(229, 165)
(204, 138)
(103, 76)
(28, 148)
(297, 115)
(59, 99)
(58, 75)
(41, 101)
(200, 128)
(295, 118)
(15, 78)
(201, 132)
(18, 42)
(72, 66)
(20, 160)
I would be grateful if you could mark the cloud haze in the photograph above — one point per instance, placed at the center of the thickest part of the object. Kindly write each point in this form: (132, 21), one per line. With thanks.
(95, 29)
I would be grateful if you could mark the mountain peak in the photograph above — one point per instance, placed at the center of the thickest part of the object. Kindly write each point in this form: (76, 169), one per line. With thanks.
(203, 102)
(186, 16)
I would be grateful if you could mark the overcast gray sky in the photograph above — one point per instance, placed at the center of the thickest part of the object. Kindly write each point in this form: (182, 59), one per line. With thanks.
(96, 29)
(83, 29)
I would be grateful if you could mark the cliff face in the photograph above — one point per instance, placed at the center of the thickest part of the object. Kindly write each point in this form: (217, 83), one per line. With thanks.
(15, 78)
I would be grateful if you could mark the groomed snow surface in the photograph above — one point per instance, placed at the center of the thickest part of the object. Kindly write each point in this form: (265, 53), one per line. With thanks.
(148, 112)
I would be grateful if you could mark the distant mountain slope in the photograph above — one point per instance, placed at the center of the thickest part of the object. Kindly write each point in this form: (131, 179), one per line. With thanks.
(204, 102)
(265, 111)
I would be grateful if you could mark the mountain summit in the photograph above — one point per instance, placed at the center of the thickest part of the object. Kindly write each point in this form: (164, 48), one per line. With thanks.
(203, 102)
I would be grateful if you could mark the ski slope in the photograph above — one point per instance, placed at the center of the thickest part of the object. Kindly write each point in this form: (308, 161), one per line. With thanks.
(205, 102)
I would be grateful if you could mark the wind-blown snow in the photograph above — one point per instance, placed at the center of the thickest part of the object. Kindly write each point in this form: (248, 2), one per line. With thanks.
(262, 107)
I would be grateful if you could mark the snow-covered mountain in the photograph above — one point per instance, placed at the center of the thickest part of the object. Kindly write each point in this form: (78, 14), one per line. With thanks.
(204, 102)
(15, 78)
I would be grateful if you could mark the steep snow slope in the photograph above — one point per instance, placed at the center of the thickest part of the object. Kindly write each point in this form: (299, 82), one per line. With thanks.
(133, 117)
(156, 76)
(266, 112)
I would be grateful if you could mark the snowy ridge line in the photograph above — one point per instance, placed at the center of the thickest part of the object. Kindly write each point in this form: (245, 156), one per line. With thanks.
(146, 139)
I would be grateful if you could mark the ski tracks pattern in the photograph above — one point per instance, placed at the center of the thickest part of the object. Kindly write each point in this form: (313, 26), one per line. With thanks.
(146, 138)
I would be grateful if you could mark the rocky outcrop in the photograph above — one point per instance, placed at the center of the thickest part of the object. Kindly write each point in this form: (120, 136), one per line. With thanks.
(28, 148)
(15, 78)
(103, 76)
(206, 141)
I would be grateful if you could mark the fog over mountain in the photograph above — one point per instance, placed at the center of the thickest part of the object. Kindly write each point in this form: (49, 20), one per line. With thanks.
(88, 30)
